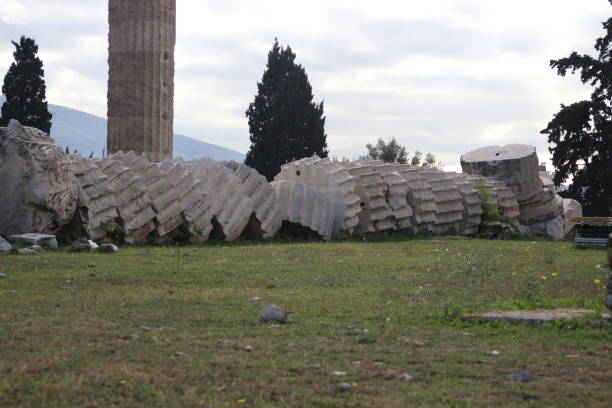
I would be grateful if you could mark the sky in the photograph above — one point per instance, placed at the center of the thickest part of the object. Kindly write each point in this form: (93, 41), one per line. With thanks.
(441, 76)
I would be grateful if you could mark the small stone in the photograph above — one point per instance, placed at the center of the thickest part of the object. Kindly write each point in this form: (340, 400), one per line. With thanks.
(493, 353)
(3, 276)
(180, 354)
(5, 246)
(83, 245)
(418, 344)
(273, 313)
(255, 299)
(143, 328)
(343, 387)
(521, 376)
(248, 349)
(339, 373)
(26, 251)
(405, 377)
(108, 249)
(36, 248)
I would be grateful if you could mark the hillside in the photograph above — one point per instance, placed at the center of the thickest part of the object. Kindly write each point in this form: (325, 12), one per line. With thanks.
(86, 133)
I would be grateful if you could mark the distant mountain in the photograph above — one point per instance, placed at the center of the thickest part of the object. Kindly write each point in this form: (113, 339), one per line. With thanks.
(86, 133)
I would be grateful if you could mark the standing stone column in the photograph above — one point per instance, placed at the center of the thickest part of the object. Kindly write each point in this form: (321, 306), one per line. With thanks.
(141, 40)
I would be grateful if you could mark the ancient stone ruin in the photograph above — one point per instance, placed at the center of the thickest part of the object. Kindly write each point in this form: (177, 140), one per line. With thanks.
(125, 197)
(141, 39)
(516, 165)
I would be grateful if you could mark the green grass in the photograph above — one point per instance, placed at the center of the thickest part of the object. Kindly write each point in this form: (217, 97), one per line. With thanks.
(69, 333)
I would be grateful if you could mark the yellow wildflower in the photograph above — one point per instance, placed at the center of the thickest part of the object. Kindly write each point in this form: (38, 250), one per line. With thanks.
(241, 401)
(554, 274)
(543, 277)
(597, 281)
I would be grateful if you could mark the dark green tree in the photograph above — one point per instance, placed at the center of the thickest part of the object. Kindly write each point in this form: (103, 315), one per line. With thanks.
(284, 122)
(24, 88)
(390, 152)
(581, 133)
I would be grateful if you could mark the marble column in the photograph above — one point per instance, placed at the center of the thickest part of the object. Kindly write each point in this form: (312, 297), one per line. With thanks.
(142, 35)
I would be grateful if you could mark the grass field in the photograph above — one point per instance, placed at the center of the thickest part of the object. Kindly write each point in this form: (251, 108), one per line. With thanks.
(71, 330)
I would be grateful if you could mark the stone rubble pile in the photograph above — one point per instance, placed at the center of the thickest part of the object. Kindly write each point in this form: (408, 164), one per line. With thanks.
(126, 197)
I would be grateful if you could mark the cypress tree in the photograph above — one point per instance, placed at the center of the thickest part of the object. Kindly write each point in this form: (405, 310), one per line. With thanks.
(25, 90)
(284, 122)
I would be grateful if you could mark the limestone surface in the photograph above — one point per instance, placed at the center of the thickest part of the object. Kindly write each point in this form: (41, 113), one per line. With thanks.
(38, 190)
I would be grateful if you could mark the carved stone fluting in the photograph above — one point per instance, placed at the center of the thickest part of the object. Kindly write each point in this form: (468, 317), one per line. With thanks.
(449, 202)
(142, 35)
(264, 202)
(420, 197)
(97, 208)
(397, 196)
(172, 192)
(227, 205)
(38, 190)
(332, 179)
(133, 203)
(302, 204)
(500, 195)
(471, 203)
(371, 189)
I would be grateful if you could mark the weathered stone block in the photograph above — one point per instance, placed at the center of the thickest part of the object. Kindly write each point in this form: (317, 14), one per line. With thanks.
(37, 185)
(43, 240)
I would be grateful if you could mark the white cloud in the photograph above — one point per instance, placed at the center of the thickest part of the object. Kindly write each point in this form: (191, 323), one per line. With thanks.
(13, 12)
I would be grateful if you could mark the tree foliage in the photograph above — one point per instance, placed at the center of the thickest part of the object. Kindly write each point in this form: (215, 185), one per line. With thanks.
(24, 88)
(393, 152)
(390, 152)
(284, 122)
(581, 133)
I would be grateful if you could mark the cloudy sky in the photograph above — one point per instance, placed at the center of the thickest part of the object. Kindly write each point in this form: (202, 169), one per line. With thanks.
(445, 76)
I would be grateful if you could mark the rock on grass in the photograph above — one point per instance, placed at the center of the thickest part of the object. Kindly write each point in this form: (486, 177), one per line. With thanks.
(273, 313)
(108, 249)
(343, 387)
